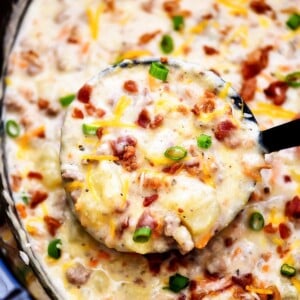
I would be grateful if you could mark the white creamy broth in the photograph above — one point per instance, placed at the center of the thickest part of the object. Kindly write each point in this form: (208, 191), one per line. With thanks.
(61, 45)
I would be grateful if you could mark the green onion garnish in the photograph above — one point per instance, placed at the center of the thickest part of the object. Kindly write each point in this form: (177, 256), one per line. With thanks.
(159, 71)
(293, 79)
(176, 153)
(54, 248)
(89, 129)
(287, 270)
(12, 128)
(293, 21)
(178, 22)
(256, 221)
(67, 100)
(204, 141)
(178, 282)
(166, 44)
(25, 198)
(142, 234)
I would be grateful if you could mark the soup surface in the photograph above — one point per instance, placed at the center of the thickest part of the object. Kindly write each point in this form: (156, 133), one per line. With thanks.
(255, 46)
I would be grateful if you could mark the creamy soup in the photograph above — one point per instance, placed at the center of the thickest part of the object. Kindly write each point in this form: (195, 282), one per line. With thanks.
(255, 46)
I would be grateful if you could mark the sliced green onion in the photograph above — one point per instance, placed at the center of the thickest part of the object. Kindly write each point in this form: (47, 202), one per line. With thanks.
(287, 270)
(159, 71)
(142, 234)
(12, 128)
(166, 44)
(176, 153)
(25, 198)
(204, 141)
(54, 248)
(67, 100)
(293, 79)
(89, 129)
(293, 21)
(256, 221)
(178, 22)
(178, 282)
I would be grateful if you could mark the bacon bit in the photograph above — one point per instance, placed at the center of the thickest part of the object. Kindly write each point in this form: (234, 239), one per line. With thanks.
(266, 256)
(150, 199)
(74, 37)
(224, 130)
(91, 110)
(193, 285)
(147, 37)
(243, 280)
(282, 251)
(207, 106)
(110, 5)
(276, 91)
(52, 224)
(21, 208)
(153, 183)
(228, 241)
(143, 118)
(84, 93)
(248, 89)
(37, 197)
(147, 6)
(183, 109)
(287, 178)
(172, 169)
(260, 6)
(210, 50)
(171, 7)
(99, 133)
(284, 231)
(193, 168)
(77, 113)
(255, 62)
(158, 120)
(124, 149)
(180, 210)
(292, 208)
(155, 261)
(43, 103)
(32, 62)
(196, 110)
(130, 86)
(35, 175)
(270, 229)
(16, 182)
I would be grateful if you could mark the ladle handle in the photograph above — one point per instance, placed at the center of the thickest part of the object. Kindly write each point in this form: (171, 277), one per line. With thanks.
(281, 137)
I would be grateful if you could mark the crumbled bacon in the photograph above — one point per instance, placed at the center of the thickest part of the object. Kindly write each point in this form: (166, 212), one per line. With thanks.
(147, 6)
(284, 231)
(52, 224)
(248, 89)
(37, 197)
(43, 103)
(228, 241)
(270, 229)
(150, 199)
(153, 183)
(260, 6)
(91, 110)
(210, 50)
(255, 62)
(77, 113)
(158, 120)
(243, 280)
(193, 168)
(172, 169)
(147, 37)
(16, 182)
(33, 61)
(276, 91)
(110, 5)
(74, 36)
(84, 94)
(224, 129)
(155, 261)
(282, 250)
(124, 148)
(207, 106)
(143, 118)
(292, 208)
(182, 109)
(196, 110)
(171, 6)
(287, 178)
(99, 133)
(130, 86)
(35, 175)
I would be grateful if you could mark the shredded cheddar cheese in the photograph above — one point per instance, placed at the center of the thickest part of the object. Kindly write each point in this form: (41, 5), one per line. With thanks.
(94, 19)
(274, 111)
(260, 291)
